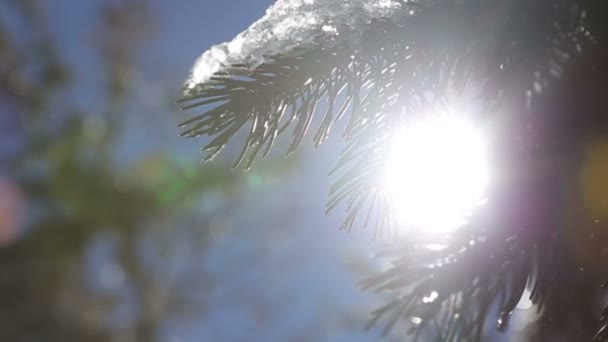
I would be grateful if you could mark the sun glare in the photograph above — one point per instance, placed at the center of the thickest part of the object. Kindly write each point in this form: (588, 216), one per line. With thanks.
(436, 173)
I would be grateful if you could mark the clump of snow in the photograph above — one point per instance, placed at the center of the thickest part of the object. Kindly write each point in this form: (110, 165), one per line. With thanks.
(290, 24)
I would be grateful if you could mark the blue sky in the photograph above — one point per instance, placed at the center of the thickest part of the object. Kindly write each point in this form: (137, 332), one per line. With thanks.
(302, 271)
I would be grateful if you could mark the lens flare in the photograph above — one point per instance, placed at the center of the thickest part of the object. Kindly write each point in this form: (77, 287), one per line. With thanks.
(437, 173)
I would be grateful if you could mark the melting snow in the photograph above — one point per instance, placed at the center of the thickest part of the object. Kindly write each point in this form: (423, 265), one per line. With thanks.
(290, 24)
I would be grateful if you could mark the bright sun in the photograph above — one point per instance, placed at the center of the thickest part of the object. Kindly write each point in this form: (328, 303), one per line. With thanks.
(437, 173)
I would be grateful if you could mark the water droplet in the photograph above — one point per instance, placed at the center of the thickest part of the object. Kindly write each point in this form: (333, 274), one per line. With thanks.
(430, 298)
(436, 247)
(329, 29)
(503, 320)
(416, 320)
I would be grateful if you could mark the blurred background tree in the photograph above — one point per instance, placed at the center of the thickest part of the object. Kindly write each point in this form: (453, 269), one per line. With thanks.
(67, 178)
(106, 238)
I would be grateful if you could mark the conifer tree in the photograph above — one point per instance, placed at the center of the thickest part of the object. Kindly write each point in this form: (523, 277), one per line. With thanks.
(537, 72)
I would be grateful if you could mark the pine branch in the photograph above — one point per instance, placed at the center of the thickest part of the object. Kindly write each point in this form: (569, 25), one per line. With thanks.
(451, 292)
(514, 51)
(381, 83)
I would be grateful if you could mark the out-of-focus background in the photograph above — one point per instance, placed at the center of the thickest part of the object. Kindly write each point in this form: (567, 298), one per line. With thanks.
(111, 229)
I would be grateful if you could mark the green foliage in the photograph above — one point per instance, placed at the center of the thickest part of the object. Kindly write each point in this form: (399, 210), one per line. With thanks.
(77, 192)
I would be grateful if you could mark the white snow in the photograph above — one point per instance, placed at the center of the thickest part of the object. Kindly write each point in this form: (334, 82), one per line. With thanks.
(290, 24)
